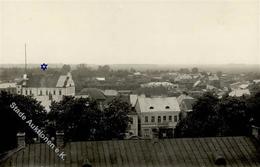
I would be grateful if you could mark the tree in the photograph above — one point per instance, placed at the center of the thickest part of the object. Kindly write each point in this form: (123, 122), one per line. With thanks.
(233, 116)
(11, 123)
(202, 120)
(229, 116)
(184, 70)
(65, 69)
(79, 118)
(195, 70)
(253, 106)
(116, 119)
(82, 119)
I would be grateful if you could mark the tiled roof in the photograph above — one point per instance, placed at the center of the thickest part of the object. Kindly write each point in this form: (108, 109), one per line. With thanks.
(188, 152)
(158, 104)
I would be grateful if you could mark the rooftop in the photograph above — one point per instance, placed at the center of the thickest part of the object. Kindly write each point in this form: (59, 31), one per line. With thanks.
(158, 104)
(198, 152)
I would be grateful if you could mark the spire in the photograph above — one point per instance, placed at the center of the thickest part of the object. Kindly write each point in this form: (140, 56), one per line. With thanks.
(25, 60)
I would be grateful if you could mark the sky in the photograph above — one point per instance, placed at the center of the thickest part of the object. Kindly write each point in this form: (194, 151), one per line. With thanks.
(130, 31)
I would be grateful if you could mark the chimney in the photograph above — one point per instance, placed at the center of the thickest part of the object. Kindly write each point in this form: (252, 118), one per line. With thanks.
(256, 132)
(21, 139)
(60, 139)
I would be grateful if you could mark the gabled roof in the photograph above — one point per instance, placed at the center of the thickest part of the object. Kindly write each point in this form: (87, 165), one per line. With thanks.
(183, 152)
(62, 81)
(158, 104)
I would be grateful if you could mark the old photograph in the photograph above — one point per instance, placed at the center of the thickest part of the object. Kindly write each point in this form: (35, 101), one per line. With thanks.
(129, 83)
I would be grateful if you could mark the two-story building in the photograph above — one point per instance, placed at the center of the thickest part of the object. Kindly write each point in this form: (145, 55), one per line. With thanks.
(47, 88)
(158, 116)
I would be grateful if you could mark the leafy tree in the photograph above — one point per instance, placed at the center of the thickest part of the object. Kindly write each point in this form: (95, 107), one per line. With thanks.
(116, 119)
(195, 70)
(233, 116)
(229, 116)
(65, 69)
(202, 121)
(79, 118)
(11, 123)
(82, 119)
(253, 106)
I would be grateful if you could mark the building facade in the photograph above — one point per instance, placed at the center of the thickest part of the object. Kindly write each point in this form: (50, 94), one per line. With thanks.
(158, 116)
(47, 88)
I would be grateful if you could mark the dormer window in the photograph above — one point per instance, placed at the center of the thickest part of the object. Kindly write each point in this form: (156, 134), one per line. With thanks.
(151, 107)
(167, 107)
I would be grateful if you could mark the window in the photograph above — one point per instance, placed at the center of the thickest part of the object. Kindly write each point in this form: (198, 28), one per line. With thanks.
(159, 118)
(46, 92)
(40, 92)
(146, 119)
(170, 118)
(152, 119)
(26, 92)
(54, 92)
(151, 107)
(164, 118)
(59, 92)
(30, 92)
(167, 107)
(175, 118)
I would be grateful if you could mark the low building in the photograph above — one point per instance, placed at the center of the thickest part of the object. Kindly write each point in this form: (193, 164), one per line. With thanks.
(239, 92)
(158, 116)
(8, 87)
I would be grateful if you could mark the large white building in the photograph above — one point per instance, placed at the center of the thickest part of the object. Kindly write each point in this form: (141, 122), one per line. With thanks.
(158, 116)
(47, 88)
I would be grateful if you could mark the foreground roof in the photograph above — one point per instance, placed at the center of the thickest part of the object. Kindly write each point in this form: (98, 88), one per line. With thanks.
(238, 151)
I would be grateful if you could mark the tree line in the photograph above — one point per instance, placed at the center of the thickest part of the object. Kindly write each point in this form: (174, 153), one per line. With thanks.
(228, 116)
(79, 119)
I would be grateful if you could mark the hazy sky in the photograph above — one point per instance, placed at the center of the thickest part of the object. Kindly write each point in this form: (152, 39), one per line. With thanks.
(131, 31)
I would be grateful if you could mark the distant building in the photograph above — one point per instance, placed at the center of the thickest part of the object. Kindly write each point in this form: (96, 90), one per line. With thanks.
(158, 116)
(239, 92)
(8, 87)
(47, 88)
(109, 92)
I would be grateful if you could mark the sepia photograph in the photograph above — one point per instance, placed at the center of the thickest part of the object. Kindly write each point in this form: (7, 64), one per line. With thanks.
(129, 83)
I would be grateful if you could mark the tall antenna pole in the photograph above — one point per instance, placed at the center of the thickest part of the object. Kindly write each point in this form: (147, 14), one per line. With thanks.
(25, 63)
